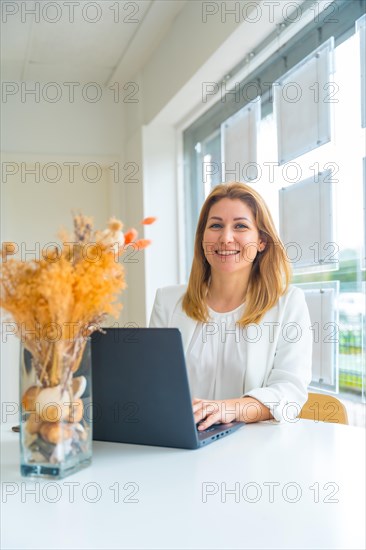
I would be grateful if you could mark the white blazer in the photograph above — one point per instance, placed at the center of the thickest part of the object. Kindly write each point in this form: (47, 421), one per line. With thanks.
(278, 369)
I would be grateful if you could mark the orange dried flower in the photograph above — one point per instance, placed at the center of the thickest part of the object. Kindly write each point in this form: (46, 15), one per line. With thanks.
(142, 243)
(148, 221)
(115, 225)
(130, 236)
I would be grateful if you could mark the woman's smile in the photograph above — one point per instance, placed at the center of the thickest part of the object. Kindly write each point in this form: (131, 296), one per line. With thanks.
(225, 253)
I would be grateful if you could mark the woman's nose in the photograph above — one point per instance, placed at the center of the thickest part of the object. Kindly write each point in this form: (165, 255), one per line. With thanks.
(226, 235)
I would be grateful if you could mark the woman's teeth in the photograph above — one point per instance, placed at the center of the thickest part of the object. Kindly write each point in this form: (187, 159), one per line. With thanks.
(227, 252)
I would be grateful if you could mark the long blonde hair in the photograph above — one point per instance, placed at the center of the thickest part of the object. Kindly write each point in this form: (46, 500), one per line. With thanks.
(271, 271)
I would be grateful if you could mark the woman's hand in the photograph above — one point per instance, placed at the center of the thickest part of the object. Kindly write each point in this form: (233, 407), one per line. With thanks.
(213, 412)
(243, 409)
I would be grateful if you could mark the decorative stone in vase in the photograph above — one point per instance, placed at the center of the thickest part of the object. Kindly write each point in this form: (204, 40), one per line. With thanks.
(56, 409)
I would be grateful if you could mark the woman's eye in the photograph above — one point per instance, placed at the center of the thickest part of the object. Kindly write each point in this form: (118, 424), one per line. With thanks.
(238, 226)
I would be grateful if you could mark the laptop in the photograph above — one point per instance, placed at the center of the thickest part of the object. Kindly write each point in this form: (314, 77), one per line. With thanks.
(141, 393)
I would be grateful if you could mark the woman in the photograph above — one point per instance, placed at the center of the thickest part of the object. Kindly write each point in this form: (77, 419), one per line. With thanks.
(245, 330)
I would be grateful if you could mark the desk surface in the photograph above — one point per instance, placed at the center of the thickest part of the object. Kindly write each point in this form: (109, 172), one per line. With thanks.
(267, 485)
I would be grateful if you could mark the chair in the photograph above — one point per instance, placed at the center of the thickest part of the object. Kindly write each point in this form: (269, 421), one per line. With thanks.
(324, 408)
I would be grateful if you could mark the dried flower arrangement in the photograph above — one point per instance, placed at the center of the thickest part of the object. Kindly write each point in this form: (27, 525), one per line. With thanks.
(56, 302)
(66, 294)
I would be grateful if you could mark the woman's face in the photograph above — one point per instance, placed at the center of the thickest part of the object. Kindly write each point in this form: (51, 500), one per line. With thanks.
(231, 239)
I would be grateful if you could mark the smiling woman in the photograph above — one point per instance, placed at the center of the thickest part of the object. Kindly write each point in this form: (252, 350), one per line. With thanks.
(259, 273)
(246, 332)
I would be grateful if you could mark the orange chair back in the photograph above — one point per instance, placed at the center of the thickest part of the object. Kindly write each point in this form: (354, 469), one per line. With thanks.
(324, 408)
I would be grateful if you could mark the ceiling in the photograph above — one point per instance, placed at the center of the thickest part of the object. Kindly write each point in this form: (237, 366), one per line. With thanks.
(73, 48)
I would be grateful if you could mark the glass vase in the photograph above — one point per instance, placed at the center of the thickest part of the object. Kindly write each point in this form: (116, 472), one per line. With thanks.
(56, 408)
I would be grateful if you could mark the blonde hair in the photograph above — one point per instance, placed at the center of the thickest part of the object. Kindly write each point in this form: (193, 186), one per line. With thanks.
(271, 271)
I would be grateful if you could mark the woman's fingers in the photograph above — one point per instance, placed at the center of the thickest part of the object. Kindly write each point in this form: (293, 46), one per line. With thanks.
(197, 405)
(199, 411)
(210, 419)
(195, 400)
(204, 409)
(208, 413)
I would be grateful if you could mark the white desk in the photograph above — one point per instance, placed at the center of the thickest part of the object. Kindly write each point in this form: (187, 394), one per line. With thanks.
(169, 509)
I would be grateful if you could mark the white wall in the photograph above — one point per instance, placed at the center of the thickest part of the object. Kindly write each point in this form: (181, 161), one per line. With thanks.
(160, 200)
(186, 48)
(64, 127)
(134, 299)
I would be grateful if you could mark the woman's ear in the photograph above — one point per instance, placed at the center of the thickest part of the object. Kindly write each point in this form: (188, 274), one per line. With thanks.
(262, 244)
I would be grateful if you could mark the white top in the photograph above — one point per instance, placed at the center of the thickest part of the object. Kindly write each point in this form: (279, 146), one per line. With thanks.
(271, 362)
(217, 371)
